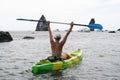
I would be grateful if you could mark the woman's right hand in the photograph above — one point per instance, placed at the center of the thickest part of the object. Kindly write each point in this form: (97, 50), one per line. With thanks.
(71, 24)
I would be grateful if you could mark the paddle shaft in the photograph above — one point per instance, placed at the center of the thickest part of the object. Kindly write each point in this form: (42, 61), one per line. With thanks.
(51, 22)
(93, 26)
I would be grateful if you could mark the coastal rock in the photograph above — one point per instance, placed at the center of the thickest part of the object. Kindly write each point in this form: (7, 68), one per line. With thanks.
(118, 30)
(111, 32)
(28, 37)
(5, 36)
(42, 26)
(92, 21)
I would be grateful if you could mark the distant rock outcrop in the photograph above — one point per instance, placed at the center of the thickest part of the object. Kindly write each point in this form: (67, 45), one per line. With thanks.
(111, 32)
(118, 30)
(28, 37)
(42, 26)
(5, 36)
(92, 21)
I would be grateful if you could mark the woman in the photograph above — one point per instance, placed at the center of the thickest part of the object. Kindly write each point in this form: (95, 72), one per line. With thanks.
(57, 45)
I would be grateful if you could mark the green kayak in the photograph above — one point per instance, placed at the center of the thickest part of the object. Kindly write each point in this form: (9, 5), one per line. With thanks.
(46, 65)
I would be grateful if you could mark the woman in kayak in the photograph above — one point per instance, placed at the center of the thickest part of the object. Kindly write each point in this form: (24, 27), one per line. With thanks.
(57, 45)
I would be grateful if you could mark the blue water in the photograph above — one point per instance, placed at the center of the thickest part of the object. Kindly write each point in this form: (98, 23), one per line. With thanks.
(101, 56)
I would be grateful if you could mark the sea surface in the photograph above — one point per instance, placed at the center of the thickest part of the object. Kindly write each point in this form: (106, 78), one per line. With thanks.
(101, 59)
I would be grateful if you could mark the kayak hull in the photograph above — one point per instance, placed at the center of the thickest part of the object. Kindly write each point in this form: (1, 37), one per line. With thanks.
(76, 57)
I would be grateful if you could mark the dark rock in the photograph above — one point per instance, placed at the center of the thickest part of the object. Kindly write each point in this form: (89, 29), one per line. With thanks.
(106, 30)
(111, 32)
(28, 37)
(5, 36)
(118, 30)
(92, 21)
(42, 26)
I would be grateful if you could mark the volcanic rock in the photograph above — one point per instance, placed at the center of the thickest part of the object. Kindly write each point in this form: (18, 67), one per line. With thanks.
(5, 36)
(28, 37)
(92, 21)
(111, 32)
(42, 24)
(118, 30)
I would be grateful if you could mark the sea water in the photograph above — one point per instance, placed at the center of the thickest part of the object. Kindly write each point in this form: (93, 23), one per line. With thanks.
(101, 56)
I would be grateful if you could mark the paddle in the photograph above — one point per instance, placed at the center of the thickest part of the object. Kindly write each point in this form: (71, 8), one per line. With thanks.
(95, 26)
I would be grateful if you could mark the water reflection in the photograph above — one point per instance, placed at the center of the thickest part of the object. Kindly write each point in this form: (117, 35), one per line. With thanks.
(57, 73)
(52, 75)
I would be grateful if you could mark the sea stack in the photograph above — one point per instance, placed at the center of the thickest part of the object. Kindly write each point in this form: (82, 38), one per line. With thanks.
(92, 21)
(5, 36)
(42, 26)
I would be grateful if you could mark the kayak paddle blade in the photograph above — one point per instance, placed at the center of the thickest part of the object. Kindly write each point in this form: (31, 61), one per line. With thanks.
(95, 26)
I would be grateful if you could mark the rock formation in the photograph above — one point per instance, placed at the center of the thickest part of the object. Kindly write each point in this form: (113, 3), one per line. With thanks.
(118, 30)
(111, 32)
(5, 37)
(92, 21)
(28, 37)
(42, 26)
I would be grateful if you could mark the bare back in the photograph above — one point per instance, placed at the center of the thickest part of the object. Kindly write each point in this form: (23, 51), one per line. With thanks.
(57, 47)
